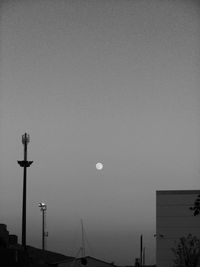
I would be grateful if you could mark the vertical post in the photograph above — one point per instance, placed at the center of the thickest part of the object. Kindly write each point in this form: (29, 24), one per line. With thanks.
(43, 233)
(83, 239)
(83, 259)
(144, 252)
(25, 164)
(141, 250)
(43, 208)
(24, 195)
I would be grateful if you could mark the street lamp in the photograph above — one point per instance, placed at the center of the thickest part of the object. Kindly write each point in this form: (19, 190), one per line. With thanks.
(43, 208)
(25, 164)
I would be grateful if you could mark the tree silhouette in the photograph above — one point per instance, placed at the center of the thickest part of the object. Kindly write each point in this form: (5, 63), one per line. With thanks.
(187, 252)
(196, 207)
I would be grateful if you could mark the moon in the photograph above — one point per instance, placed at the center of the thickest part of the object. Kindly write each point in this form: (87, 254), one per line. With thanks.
(99, 166)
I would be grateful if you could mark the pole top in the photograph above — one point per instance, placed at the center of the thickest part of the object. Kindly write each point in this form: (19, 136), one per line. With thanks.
(25, 138)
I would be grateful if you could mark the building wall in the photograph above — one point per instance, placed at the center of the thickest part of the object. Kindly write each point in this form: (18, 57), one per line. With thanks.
(174, 219)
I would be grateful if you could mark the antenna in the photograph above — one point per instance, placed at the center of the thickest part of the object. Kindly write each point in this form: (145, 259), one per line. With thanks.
(83, 240)
(83, 260)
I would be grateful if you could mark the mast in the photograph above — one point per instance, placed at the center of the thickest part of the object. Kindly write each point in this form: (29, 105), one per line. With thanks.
(83, 240)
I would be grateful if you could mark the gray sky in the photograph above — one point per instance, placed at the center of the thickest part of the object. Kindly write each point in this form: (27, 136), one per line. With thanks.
(109, 81)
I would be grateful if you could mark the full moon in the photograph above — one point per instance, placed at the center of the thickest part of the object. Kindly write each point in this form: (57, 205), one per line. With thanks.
(99, 166)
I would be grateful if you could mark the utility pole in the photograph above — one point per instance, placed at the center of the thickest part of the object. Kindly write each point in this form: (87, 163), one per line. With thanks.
(25, 164)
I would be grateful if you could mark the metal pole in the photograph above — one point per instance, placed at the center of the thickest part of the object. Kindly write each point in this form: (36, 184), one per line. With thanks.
(43, 233)
(83, 240)
(144, 251)
(141, 250)
(43, 208)
(24, 198)
(24, 163)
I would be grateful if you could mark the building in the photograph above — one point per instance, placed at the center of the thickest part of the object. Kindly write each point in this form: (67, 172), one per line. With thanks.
(86, 261)
(37, 257)
(13, 254)
(5, 238)
(174, 220)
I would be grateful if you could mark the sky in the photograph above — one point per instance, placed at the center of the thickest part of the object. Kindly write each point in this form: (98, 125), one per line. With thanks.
(111, 81)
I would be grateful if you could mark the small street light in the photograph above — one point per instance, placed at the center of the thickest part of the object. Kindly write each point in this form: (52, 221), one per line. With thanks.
(43, 208)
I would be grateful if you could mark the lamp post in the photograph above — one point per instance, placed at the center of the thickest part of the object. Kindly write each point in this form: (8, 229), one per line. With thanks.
(43, 208)
(25, 164)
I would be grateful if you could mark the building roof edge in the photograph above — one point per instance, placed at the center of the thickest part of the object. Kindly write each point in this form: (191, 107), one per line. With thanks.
(177, 192)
